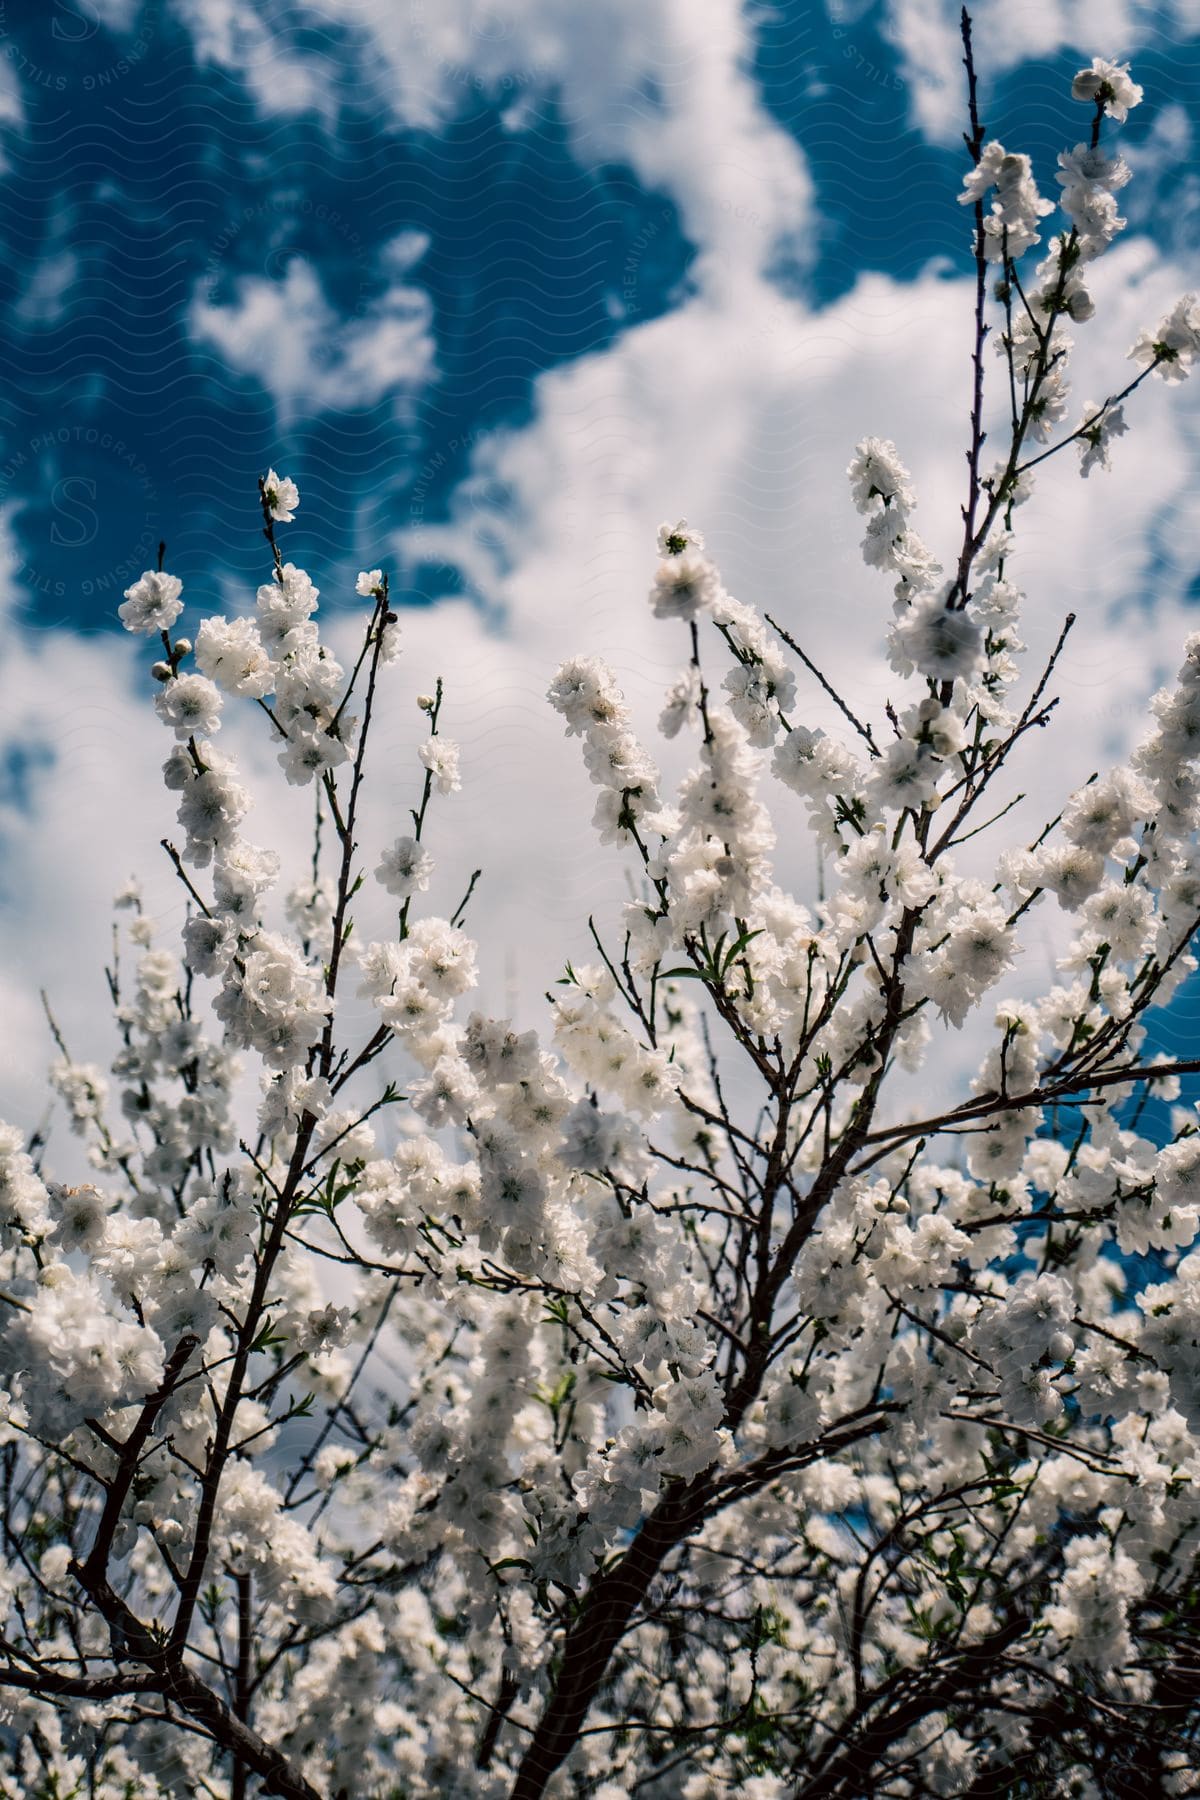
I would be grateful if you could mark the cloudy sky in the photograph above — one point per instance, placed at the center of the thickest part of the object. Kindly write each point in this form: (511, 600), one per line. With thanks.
(502, 285)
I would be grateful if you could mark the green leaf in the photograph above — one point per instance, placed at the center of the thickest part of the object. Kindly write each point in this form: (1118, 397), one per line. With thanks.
(267, 1337)
(736, 949)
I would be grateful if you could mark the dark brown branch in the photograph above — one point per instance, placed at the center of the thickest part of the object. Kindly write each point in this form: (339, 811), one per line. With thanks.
(96, 1567)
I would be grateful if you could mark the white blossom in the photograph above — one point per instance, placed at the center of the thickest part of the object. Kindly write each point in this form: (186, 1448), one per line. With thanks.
(405, 868)
(282, 497)
(1109, 83)
(441, 758)
(152, 603)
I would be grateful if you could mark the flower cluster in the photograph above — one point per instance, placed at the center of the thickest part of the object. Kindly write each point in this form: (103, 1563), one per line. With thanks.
(1011, 227)
(685, 1402)
(879, 483)
(586, 696)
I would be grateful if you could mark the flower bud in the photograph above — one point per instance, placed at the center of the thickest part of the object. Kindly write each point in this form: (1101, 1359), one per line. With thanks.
(162, 671)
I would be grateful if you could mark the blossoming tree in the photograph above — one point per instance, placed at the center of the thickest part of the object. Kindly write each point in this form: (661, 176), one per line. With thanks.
(669, 1412)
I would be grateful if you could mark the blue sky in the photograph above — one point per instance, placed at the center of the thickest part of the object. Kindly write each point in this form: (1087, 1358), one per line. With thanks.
(499, 282)
(132, 206)
(149, 183)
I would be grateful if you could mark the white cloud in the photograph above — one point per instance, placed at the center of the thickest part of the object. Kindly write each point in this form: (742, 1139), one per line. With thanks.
(740, 409)
(664, 85)
(1164, 196)
(115, 15)
(1008, 33)
(741, 416)
(744, 419)
(44, 300)
(288, 336)
(11, 110)
(90, 823)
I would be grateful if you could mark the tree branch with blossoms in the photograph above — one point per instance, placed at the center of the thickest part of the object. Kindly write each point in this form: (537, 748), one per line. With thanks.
(666, 1403)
